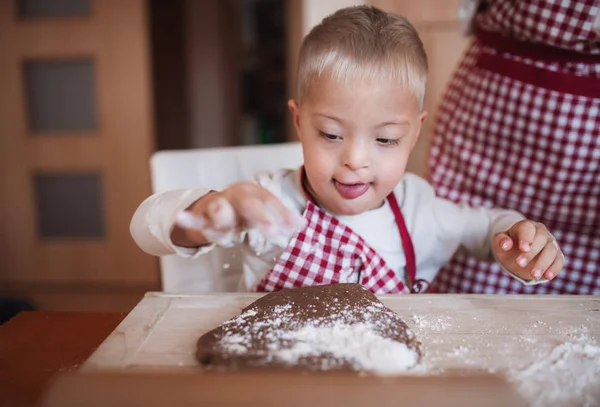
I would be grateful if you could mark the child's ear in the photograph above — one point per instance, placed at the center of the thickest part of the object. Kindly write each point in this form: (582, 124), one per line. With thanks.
(421, 120)
(293, 106)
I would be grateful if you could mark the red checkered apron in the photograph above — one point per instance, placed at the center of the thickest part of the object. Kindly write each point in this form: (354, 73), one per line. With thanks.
(328, 252)
(519, 128)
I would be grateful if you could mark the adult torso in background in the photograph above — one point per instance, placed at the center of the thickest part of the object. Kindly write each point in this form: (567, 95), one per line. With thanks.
(519, 127)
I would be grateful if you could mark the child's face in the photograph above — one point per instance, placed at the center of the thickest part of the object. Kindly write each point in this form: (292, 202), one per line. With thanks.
(356, 139)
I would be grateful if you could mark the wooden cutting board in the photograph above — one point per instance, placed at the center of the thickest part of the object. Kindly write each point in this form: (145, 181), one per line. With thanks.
(276, 389)
(459, 332)
(513, 336)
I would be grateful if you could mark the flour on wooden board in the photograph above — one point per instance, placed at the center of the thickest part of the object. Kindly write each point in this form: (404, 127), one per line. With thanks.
(566, 376)
(359, 343)
(569, 376)
(431, 323)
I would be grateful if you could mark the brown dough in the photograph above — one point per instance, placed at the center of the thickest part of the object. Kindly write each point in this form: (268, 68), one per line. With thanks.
(265, 326)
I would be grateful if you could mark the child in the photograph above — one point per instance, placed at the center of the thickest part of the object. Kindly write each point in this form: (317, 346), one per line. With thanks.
(350, 214)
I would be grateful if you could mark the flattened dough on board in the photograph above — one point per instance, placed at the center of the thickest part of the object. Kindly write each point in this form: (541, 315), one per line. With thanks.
(339, 327)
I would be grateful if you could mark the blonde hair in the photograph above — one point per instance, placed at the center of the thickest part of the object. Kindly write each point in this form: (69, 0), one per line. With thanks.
(363, 42)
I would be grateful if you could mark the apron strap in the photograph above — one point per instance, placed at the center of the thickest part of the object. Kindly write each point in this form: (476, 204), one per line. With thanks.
(415, 285)
(532, 50)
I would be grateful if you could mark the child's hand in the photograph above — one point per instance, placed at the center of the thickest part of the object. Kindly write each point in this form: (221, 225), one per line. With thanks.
(528, 250)
(219, 217)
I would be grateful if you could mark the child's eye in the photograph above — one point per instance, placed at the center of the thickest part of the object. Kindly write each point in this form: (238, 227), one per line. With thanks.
(388, 141)
(329, 136)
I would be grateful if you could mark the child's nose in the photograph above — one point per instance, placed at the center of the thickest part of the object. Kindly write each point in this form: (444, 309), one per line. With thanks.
(356, 156)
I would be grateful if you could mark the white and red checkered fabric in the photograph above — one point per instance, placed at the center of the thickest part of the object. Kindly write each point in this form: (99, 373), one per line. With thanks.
(567, 24)
(504, 142)
(329, 252)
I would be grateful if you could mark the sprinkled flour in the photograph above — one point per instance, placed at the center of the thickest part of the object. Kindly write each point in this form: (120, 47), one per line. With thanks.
(331, 334)
(358, 344)
(431, 322)
(569, 376)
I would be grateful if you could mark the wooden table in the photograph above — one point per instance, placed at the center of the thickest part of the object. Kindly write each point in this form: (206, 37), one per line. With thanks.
(476, 333)
(542, 344)
(34, 346)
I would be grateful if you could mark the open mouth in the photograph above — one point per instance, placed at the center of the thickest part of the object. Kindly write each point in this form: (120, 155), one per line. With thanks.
(351, 191)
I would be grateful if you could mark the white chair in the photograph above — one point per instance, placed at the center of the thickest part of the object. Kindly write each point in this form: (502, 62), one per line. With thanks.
(215, 168)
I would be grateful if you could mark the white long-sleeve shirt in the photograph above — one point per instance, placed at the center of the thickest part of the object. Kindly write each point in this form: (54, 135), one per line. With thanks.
(438, 228)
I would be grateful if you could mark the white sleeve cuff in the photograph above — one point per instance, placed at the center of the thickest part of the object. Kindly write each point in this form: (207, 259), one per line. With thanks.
(542, 280)
(192, 252)
(153, 222)
(503, 219)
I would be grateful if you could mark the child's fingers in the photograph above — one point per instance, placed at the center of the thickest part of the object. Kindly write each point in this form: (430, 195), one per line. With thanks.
(539, 242)
(247, 205)
(253, 214)
(281, 221)
(188, 220)
(524, 232)
(216, 221)
(503, 241)
(220, 214)
(555, 267)
(544, 260)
